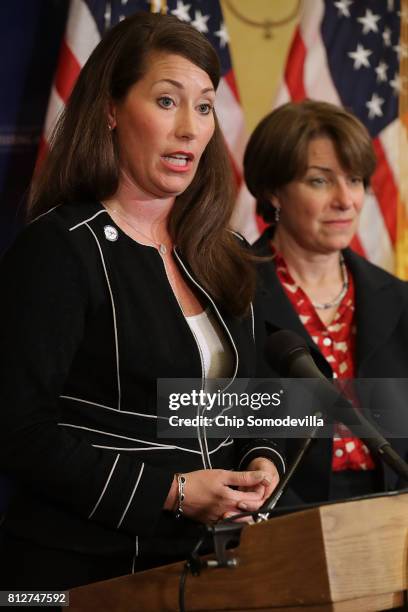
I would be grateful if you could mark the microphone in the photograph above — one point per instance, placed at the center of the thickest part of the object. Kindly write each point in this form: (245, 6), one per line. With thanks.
(289, 355)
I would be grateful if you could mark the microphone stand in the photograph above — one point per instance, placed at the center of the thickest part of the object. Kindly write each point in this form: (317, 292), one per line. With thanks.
(263, 512)
(362, 427)
(227, 533)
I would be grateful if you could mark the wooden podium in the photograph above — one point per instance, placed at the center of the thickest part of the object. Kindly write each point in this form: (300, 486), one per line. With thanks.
(349, 556)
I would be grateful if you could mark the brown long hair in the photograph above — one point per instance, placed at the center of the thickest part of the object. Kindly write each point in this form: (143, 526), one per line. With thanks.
(83, 162)
(276, 153)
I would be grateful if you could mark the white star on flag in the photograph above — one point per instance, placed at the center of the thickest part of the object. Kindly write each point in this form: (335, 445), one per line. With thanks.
(222, 35)
(369, 22)
(108, 16)
(387, 37)
(401, 50)
(360, 57)
(343, 7)
(403, 13)
(396, 84)
(374, 106)
(181, 12)
(200, 22)
(381, 71)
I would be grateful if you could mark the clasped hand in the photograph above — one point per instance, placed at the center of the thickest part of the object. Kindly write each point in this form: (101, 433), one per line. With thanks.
(211, 495)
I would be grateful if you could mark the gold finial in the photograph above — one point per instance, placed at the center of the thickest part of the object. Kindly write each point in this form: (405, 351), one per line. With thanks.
(266, 25)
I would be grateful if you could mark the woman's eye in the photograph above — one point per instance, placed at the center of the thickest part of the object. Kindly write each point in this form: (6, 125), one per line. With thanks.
(355, 180)
(205, 108)
(318, 181)
(165, 102)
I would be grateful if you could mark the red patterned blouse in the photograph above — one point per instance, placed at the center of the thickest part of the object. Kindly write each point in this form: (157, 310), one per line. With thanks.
(337, 343)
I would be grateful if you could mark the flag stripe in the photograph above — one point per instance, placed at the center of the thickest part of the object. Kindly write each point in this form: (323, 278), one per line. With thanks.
(236, 173)
(385, 190)
(82, 33)
(67, 72)
(357, 246)
(294, 68)
(373, 234)
(231, 119)
(389, 138)
(229, 77)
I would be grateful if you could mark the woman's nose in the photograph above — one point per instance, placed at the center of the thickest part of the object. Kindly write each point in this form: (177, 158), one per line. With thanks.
(344, 195)
(186, 127)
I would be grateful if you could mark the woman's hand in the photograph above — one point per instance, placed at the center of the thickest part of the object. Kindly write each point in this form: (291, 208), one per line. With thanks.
(209, 495)
(264, 489)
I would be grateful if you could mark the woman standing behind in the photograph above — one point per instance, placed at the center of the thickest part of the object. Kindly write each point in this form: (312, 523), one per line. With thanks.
(309, 165)
(127, 274)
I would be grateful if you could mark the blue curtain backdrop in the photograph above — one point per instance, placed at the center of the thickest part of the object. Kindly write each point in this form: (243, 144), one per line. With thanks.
(30, 37)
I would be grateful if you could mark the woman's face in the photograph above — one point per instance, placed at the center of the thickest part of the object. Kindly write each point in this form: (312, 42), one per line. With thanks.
(320, 210)
(163, 125)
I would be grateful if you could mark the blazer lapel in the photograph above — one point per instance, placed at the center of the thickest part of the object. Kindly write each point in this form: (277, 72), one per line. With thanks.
(379, 306)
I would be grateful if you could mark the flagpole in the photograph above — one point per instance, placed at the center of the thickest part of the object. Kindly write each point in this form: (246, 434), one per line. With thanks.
(401, 267)
(158, 6)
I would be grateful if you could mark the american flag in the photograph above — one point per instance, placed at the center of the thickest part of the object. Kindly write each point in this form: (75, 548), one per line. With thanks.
(348, 52)
(87, 22)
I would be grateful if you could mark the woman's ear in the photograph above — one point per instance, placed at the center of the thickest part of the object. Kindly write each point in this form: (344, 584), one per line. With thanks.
(274, 200)
(111, 115)
(276, 205)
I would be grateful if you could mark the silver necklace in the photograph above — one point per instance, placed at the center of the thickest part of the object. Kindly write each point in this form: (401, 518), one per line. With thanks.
(343, 291)
(160, 246)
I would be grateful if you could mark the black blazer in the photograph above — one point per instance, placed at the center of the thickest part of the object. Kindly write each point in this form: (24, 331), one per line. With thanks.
(381, 352)
(88, 323)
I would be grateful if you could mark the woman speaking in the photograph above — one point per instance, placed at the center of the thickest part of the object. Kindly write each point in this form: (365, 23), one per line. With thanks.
(126, 274)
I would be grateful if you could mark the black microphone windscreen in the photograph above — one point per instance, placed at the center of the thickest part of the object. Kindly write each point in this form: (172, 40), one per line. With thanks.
(280, 349)
(288, 353)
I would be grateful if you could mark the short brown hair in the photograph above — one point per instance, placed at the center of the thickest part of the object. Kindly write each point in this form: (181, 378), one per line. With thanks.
(276, 153)
(83, 162)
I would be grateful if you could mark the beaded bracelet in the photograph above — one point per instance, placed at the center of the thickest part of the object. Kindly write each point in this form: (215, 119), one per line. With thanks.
(181, 481)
